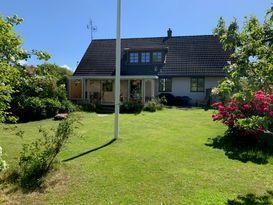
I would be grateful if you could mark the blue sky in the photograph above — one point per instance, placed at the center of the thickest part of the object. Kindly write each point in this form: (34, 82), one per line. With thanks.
(59, 26)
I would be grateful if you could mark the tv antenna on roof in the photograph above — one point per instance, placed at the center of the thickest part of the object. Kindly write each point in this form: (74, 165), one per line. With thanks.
(92, 28)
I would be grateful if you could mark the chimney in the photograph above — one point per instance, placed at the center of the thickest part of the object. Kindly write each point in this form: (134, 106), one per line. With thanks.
(170, 32)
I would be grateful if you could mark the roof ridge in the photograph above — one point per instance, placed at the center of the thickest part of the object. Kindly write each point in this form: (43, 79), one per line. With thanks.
(162, 37)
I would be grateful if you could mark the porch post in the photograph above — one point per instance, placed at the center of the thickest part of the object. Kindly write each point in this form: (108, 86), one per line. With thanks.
(88, 90)
(129, 87)
(82, 83)
(143, 90)
(152, 88)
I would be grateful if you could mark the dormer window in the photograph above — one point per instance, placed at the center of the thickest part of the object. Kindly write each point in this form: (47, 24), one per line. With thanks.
(157, 57)
(145, 57)
(134, 57)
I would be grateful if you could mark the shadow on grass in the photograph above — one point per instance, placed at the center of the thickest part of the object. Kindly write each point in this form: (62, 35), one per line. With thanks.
(256, 149)
(252, 199)
(89, 151)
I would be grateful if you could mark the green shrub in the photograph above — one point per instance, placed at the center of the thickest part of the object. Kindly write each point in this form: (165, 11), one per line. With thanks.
(52, 106)
(153, 105)
(131, 107)
(67, 106)
(33, 108)
(37, 158)
(88, 107)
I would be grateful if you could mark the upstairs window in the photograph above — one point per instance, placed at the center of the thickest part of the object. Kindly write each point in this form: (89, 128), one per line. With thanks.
(157, 57)
(145, 57)
(133, 57)
(165, 85)
(197, 84)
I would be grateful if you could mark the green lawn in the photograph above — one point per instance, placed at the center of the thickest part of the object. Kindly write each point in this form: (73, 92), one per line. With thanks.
(160, 158)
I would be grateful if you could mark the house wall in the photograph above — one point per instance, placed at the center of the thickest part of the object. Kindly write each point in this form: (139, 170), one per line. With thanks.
(181, 86)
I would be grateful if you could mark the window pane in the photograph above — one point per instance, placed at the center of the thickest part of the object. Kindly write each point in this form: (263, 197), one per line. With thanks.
(197, 84)
(157, 56)
(133, 57)
(200, 84)
(165, 85)
(145, 57)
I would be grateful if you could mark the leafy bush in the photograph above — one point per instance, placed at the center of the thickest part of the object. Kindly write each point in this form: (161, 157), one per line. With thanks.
(52, 106)
(88, 107)
(35, 108)
(67, 106)
(153, 105)
(37, 158)
(3, 164)
(255, 113)
(167, 99)
(182, 101)
(246, 92)
(131, 107)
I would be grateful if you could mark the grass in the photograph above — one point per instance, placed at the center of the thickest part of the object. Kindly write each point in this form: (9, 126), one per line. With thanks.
(160, 158)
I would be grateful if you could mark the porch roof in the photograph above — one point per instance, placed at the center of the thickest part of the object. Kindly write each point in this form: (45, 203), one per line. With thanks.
(124, 77)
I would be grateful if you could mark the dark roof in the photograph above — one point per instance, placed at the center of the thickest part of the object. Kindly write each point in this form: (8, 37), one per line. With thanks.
(185, 56)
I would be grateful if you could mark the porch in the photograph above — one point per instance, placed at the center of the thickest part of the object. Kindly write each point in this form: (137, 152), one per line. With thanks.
(102, 90)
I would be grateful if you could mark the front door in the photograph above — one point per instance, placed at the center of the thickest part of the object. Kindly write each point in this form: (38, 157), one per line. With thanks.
(135, 90)
(107, 92)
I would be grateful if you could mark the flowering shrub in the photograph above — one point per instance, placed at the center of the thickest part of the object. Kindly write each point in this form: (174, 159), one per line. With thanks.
(3, 164)
(255, 113)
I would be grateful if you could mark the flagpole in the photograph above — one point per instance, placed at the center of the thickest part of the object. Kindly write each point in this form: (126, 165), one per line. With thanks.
(117, 77)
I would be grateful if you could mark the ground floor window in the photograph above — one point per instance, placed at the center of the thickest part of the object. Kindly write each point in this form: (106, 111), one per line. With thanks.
(107, 86)
(197, 84)
(165, 85)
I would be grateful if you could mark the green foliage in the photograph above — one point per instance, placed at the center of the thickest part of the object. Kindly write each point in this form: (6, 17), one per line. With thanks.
(251, 68)
(37, 158)
(35, 108)
(131, 107)
(153, 105)
(3, 164)
(11, 52)
(67, 106)
(42, 92)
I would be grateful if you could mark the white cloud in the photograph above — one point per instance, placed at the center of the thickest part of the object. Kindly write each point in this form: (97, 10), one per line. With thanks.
(66, 66)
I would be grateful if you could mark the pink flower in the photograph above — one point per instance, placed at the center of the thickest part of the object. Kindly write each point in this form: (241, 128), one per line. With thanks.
(246, 106)
(221, 108)
(216, 105)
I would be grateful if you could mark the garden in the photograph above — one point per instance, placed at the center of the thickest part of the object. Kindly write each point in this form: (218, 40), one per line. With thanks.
(221, 155)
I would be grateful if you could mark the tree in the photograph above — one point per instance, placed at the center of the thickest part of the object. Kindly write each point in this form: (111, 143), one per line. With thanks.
(11, 52)
(246, 92)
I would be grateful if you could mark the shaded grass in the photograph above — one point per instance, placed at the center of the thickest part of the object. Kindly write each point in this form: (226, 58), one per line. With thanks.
(160, 158)
(245, 148)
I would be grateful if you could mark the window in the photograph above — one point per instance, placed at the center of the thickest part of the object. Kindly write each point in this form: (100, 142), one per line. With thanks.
(197, 84)
(145, 57)
(107, 86)
(157, 57)
(133, 57)
(165, 85)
